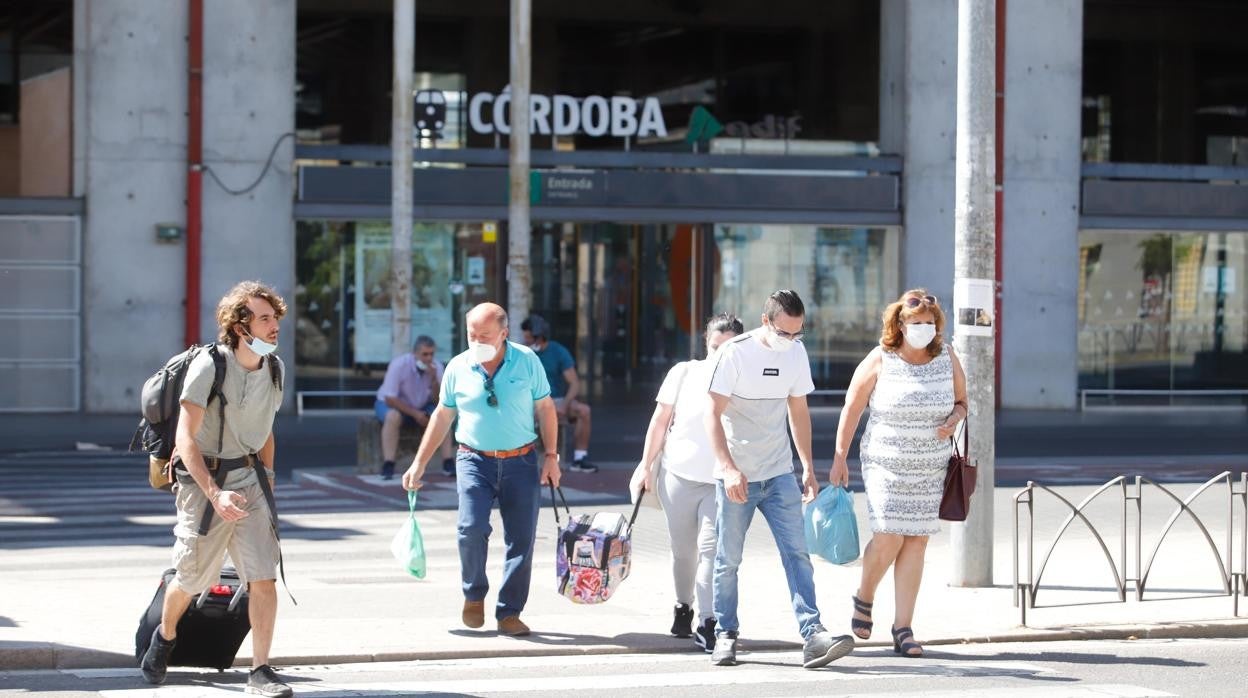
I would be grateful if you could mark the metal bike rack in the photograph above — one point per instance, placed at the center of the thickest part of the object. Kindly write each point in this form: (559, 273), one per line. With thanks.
(1233, 578)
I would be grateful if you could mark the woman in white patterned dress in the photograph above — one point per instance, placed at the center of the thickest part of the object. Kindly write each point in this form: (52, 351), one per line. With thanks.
(916, 389)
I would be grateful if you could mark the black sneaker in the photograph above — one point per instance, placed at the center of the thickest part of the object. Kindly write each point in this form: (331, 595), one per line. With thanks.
(583, 466)
(704, 636)
(156, 660)
(387, 470)
(448, 467)
(682, 621)
(263, 681)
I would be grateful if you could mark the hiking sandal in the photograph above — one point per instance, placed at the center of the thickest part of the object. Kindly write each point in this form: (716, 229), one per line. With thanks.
(904, 643)
(857, 624)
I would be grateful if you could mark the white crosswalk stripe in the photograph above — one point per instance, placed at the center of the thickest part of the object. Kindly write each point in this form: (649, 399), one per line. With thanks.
(621, 674)
(79, 498)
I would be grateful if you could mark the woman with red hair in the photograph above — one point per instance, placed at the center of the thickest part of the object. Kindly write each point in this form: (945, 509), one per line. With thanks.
(916, 389)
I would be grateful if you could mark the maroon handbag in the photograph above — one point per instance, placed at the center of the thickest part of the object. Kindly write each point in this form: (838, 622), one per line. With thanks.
(960, 479)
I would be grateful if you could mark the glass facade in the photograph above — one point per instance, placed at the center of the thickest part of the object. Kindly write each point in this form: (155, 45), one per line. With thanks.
(629, 300)
(1165, 82)
(342, 303)
(797, 71)
(845, 277)
(1163, 310)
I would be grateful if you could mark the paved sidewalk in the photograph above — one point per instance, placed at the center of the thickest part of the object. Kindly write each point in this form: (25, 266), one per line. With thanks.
(69, 607)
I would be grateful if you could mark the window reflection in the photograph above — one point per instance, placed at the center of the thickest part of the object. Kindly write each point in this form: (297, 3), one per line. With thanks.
(845, 277)
(1162, 310)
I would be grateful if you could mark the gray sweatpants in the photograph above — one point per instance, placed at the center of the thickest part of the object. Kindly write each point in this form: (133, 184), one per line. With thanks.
(690, 510)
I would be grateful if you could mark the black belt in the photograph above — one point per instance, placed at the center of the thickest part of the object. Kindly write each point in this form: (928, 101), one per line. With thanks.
(218, 465)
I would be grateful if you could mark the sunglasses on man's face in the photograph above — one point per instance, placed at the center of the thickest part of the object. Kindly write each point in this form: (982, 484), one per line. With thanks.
(491, 399)
(915, 301)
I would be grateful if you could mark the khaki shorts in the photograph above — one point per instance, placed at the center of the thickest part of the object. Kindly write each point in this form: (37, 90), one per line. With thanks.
(251, 541)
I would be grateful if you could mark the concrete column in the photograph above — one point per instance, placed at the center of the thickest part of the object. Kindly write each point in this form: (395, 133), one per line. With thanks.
(892, 92)
(130, 164)
(249, 104)
(133, 174)
(919, 41)
(1043, 79)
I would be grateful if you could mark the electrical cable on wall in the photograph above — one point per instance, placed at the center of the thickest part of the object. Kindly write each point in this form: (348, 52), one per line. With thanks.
(253, 185)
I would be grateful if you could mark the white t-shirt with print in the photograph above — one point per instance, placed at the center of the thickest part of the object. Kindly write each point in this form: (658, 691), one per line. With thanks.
(758, 383)
(687, 451)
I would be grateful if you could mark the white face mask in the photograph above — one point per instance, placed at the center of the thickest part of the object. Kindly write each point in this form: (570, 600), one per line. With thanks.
(260, 347)
(422, 365)
(482, 352)
(919, 336)
(778, 343)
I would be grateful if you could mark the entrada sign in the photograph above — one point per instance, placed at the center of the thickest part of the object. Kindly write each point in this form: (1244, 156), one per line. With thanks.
(564, 115)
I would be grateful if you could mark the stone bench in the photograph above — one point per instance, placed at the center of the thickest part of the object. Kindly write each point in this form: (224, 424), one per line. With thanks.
(368, 446)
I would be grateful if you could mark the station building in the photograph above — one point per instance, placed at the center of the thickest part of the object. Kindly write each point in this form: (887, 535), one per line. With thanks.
(689, 157)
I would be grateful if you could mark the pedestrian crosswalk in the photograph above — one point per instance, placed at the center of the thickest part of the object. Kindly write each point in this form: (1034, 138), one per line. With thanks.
(101, 497)
(764, 673)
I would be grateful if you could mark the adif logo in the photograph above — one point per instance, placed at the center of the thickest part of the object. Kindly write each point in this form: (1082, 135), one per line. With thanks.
(563, 115)
(703, 126)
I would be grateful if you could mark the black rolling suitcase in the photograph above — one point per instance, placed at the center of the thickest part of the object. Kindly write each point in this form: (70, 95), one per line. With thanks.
(211, 630)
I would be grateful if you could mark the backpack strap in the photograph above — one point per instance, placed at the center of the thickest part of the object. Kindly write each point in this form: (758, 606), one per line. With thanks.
(275, 371)
(267, 488)
(218, 380)
(206, 520)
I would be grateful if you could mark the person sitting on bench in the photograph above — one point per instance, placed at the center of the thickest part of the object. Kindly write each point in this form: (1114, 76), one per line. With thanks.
(407, 396)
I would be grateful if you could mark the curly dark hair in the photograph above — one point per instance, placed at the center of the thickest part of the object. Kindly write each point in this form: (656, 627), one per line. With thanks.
(896, 313)
(233, 310)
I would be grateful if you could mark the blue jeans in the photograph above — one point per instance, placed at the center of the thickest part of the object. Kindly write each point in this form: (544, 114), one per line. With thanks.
(380, 409)
(513, 482)
(780, 501)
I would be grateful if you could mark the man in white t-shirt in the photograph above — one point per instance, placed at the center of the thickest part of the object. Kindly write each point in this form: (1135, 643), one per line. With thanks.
(760, 381)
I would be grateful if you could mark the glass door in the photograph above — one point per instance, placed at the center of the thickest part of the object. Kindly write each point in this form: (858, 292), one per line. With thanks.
(624, 298)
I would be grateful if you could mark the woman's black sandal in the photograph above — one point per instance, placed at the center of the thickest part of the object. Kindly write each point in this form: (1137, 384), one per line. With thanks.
(903, 642)
(856, 624)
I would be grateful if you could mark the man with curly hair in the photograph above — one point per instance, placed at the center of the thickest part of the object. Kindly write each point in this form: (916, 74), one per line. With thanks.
(223, 459)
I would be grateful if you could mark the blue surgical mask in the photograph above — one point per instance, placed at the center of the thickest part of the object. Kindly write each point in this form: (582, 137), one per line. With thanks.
(260, 347)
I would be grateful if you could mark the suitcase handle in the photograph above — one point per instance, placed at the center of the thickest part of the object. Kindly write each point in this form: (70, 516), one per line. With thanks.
(234, 600)
(555, 506)
(238, 596)
(559, 490)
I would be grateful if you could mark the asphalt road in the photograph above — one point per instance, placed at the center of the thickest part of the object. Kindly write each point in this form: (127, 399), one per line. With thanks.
(1135, 669)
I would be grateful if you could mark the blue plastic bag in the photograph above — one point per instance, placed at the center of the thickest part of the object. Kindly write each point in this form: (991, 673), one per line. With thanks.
(408, 546)
(831, 527)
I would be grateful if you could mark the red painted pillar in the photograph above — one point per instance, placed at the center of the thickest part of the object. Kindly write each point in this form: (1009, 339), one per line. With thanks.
(194, 162)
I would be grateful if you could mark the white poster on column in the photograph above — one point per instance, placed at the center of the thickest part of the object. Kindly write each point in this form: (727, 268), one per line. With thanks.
(431, 302)
(973, 307)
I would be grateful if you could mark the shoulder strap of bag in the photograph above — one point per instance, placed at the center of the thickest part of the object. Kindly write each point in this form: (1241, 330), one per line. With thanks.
(966, 439)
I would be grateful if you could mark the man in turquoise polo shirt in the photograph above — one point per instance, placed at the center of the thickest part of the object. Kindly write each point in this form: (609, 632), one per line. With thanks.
(495, 388)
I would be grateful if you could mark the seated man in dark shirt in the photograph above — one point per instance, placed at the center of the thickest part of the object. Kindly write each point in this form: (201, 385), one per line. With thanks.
(564, 386)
